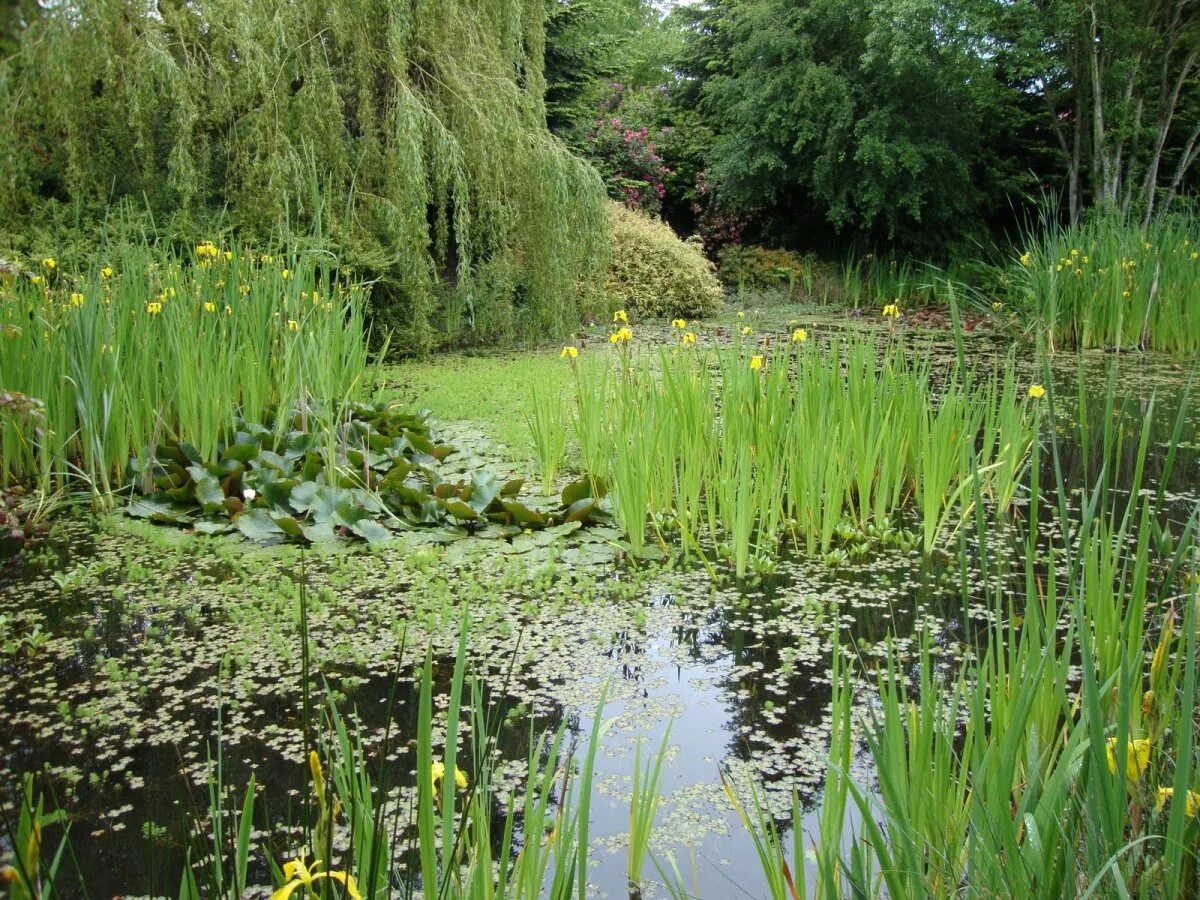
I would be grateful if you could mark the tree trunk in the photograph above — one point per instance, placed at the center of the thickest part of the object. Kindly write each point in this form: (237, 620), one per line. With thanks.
(1168, 103)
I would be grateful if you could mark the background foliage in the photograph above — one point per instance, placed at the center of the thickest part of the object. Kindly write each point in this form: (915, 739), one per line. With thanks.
(913, 126)
(422, 125)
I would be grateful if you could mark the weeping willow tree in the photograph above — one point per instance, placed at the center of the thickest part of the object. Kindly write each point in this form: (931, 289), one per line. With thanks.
(410, 133)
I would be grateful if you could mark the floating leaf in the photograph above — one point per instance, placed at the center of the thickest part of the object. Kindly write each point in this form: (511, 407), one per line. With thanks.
(459, 510)
(241, 452)
(209, 526)
(372, 530)
(319, 532)
(580, 510)
(290, 526)
(522, 514)
(157, 508)
(257, 525)
(208, 493)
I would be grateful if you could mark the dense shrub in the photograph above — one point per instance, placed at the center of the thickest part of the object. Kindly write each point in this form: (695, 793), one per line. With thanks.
(655, 273)
(629, 163)
(761, 268)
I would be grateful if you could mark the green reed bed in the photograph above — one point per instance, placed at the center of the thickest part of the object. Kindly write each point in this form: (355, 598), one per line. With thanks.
(1108, 282)
(1059, 759)
(153, 347)
(747, 447)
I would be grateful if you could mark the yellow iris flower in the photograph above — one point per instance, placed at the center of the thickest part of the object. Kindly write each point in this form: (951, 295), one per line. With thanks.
(569, 353)
(1036, 391)
(621, 316)
(438, 772)
(1191, 808)
(756, 363)
(297, 874)
(1137, 757)
(799, 336)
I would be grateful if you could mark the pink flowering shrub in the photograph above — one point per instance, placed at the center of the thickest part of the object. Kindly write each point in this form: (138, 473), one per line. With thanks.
(629, 162)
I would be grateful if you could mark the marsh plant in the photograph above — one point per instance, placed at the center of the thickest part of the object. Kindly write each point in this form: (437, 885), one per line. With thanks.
(1108, 282)
(548, 428)
(1057, 758)
(151, 348)
(754, 445)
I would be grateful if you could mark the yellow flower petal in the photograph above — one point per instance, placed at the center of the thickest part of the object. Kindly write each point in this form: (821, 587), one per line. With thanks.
(1137, 757)
(348, 881)
(286, 891)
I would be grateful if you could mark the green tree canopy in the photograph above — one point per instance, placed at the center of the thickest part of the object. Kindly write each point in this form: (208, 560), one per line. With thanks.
(883, 116)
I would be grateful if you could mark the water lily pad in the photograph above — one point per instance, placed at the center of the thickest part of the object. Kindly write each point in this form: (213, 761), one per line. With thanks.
(257, 525)
(372, 530)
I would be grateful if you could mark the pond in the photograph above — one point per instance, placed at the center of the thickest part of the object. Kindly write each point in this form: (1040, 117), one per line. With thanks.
(132, 650)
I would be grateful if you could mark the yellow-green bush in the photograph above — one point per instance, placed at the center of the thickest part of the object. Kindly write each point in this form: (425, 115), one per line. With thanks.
(761, 268)
(655, 273)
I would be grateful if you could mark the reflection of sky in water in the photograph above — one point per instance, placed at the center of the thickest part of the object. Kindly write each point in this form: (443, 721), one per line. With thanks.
(125, 692)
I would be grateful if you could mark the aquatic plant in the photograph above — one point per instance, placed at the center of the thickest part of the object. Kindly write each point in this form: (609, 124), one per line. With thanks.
(374, 471)
(31, 874)
(737, 451)
(154, 348)
(1111, 282)
(643, 808)
(548, 428)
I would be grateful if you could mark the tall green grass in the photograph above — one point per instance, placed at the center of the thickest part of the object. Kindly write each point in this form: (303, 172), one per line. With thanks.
(1108, 282)
(746, 448)
(1058, 758)
(153, 347)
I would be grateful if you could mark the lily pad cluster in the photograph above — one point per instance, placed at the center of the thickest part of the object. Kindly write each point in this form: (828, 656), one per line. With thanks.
(375, 473)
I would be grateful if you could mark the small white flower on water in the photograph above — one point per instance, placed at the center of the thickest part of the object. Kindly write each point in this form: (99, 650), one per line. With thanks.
(249, 493)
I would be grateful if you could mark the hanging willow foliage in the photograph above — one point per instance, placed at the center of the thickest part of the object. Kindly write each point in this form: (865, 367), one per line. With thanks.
(420, 122)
